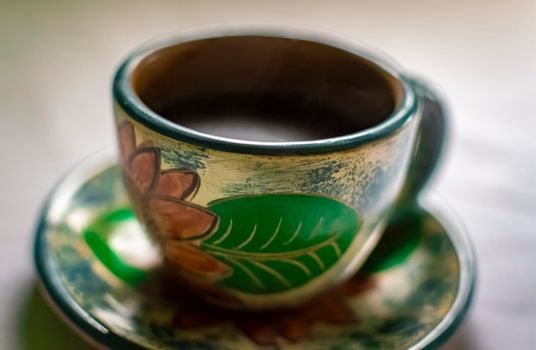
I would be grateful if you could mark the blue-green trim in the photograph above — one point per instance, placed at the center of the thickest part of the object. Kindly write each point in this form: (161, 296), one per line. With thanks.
(461, 243)
(466, 256)
(126, 99)
(57, 293)
(79, 318)
(458, 320)
(57, 296)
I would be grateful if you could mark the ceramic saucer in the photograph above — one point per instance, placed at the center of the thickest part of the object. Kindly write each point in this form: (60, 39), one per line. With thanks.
(99, 270)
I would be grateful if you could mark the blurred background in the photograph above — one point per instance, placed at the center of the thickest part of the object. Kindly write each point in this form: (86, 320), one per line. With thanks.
(56, 63)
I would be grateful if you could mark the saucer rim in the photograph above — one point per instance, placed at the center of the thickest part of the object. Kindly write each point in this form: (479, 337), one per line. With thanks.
(100, 336)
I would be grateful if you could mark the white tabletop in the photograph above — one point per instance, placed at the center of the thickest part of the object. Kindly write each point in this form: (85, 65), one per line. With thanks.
(56, 62)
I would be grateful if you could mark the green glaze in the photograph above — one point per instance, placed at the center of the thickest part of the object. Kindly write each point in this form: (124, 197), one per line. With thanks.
(186, 187)
(188, 207)
(405, 299)
(279, 241)
(96, 237)
(398, 243)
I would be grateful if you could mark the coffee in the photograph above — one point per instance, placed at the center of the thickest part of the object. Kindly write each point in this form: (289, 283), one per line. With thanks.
(265, 89)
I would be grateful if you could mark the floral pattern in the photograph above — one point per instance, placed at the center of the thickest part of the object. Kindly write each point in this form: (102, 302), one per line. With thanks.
(396, 306)
(162, 198)
(238, 246)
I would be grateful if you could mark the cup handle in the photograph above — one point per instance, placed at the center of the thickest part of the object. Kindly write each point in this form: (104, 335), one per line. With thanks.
(430, 142)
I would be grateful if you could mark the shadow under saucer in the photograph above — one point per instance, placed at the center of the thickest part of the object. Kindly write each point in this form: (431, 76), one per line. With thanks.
(39, 327)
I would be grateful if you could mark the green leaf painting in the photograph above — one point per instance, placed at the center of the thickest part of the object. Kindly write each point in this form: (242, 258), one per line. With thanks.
(277, 242)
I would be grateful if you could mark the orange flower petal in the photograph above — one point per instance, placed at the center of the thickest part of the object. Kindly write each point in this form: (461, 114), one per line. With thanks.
(127, 140)
(177, 183)
(195, 261)
(296, 326)
(177, 219)
(262, 329)
(144, 168)
(331, 309)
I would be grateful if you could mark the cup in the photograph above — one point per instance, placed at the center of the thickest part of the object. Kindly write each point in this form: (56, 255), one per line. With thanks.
(265, 162)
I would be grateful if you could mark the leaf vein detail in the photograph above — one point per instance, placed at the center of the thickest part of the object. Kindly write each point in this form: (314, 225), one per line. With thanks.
(317, 228)
(250, 237)
(336, 249)
(226, 234)
(298, 265)
(317, 260)
(268, 256)
(294, 235)
(273, 236)
(247, 271)
(272, 272)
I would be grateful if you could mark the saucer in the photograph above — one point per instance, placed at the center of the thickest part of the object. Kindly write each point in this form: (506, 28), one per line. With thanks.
(101, 273)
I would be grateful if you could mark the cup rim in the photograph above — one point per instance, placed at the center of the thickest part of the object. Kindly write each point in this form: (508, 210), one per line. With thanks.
(125, 97)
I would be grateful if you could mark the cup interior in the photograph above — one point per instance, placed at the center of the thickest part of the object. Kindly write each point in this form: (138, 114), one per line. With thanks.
(295, 89)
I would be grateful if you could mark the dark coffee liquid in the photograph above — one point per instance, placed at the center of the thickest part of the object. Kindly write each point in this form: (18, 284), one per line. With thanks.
(264, 118)
(265, 88)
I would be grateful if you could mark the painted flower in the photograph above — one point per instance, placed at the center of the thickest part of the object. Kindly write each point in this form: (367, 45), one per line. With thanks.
(161, 200)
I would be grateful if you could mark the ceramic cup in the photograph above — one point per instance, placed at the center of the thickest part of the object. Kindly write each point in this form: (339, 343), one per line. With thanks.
(260, 224)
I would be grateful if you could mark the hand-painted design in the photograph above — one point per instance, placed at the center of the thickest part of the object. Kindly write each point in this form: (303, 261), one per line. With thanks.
(395, 308)
(96, 236)
(160, 197)
(257, 244)
(398, 242)
(294, 325)
(279, 241)
(185, 157)
(201, 266)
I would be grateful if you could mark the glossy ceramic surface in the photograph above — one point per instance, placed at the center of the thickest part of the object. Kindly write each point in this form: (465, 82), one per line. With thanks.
(103, 273)
(257, 225)
(259, 230)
